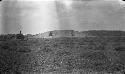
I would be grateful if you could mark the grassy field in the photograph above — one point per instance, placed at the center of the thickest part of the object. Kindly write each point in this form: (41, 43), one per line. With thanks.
(89, 55)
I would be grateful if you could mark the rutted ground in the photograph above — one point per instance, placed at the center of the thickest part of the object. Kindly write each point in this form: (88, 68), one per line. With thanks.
(63, 56)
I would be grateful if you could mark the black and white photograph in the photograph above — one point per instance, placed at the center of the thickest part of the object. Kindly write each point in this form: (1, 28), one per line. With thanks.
(62, 36)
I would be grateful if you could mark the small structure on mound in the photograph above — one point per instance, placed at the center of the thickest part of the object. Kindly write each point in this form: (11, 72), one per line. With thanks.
(20, 36)
(50, 34)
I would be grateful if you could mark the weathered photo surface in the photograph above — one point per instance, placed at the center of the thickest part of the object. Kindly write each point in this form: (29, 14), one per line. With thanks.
(62, 37)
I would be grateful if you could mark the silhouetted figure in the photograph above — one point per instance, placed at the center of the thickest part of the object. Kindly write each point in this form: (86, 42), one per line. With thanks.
(20, 32)
(50, 34)
(20, 36)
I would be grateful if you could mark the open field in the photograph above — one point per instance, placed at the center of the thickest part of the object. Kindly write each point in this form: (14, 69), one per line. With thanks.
(88, 55)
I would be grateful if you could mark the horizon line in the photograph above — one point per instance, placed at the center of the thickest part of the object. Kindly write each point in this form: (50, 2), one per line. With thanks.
(60, 30)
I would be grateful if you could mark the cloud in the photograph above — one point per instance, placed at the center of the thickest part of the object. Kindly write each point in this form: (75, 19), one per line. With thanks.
(93, 15)
(37, 16)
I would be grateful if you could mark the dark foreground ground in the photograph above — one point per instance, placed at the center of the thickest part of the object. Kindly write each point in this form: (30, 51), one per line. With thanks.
(89, 55)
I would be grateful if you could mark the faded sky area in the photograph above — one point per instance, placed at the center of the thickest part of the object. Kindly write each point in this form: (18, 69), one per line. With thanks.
(38, 16)
(0, 19)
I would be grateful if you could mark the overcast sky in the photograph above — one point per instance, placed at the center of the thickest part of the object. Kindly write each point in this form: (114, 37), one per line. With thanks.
(38, 16)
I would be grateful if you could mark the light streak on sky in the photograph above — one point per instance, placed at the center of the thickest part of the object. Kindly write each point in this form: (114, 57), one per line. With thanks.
(37, 16)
